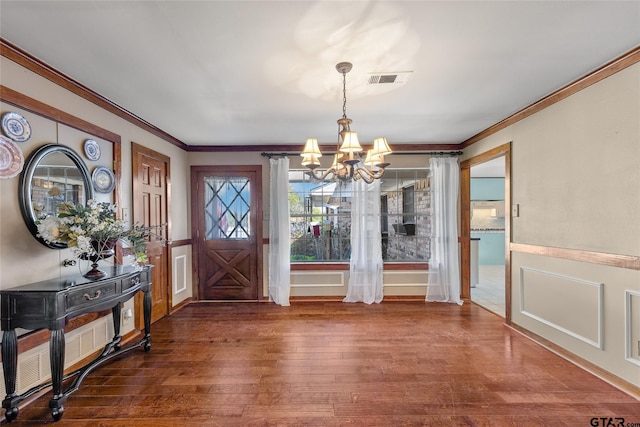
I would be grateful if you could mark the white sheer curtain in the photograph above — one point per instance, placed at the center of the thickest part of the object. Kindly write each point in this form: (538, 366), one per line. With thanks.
(444, 268)
(365, 277)
(279, 238)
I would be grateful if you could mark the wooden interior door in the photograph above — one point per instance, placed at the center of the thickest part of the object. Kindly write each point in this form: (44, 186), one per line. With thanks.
(150, 194)
(227, 227)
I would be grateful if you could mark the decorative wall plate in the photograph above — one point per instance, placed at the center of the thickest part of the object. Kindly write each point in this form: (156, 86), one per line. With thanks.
(11, 158)
(104, 181)
(92, 149)
(16, 127)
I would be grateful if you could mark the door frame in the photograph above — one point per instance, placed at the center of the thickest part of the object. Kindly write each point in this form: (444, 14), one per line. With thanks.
(140, 149)
(195, 217)
(465, 222)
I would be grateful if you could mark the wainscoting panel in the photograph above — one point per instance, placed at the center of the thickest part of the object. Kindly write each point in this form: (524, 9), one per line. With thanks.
(589, 310)
(632, 326)
(567, 304)
(318, 279)
(334, 282)
(318, 283)
(30, 370)
(411, 279)
(179, 274)
(34, 367)
(405, 283)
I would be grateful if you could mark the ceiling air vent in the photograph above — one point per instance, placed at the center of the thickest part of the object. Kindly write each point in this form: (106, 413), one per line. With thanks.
(383, 78)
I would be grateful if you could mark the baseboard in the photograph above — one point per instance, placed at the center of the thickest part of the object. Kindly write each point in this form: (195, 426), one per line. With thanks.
(339, 298)
(180, 305)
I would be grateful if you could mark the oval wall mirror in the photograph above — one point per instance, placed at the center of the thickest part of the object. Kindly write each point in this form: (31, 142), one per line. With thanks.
(53, 174)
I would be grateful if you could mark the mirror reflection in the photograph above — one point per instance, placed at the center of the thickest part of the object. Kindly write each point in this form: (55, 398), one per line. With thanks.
(53, 174)
(56, 180)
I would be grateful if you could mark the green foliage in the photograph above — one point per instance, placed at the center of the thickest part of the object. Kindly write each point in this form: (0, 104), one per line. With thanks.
(91, 228)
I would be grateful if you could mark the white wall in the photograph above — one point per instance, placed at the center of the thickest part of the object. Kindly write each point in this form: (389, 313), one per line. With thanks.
(576, 178)
(22, 258)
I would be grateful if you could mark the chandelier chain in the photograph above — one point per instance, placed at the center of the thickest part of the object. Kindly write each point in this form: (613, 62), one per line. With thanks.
(344, 95)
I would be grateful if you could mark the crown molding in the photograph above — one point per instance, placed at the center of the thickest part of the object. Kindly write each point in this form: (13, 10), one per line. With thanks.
(30, 62)
(618, 64)
(40, 68)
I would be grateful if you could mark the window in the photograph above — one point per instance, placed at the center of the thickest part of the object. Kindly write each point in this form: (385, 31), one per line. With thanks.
(227, 207)
(321, 217)
(408, 208)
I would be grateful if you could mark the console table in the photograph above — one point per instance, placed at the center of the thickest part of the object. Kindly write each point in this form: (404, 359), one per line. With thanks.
(50, 304)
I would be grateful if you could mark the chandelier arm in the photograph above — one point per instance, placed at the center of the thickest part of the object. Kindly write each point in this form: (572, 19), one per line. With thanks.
(367, 175)
(323, 175)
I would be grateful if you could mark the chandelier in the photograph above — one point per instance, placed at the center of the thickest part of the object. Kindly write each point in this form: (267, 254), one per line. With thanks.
(347, 162)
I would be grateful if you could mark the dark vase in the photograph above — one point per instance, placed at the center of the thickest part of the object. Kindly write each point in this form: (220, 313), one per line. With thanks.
(103, 250)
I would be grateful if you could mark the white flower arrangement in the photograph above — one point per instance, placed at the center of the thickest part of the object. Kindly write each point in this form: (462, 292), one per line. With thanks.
(89, 229)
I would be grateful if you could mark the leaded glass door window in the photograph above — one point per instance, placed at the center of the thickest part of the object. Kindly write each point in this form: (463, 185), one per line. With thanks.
(227, 203)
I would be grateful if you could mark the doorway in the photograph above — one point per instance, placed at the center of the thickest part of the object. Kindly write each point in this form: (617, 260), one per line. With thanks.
(495, 216)
(227, 231)
(487, 219)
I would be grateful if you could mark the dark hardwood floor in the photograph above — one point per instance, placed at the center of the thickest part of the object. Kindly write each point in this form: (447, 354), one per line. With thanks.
(334, 364)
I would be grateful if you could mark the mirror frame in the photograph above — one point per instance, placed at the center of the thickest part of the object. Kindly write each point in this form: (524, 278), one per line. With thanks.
(25, 190)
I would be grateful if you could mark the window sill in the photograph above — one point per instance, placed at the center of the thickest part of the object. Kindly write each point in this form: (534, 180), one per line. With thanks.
(388, 266)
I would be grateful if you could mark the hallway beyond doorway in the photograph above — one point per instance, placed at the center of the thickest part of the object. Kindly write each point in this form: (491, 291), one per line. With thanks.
(489, 292)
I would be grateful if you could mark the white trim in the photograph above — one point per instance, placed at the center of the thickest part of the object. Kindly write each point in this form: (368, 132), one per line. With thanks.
(628, 327)
(389, 276)
(600, 342)
(340, 283)
(183, 259)
(34, 366)
(402, 285)
(314, 285)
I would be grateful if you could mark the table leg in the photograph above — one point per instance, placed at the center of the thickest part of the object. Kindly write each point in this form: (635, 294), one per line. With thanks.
(56, 355)
(9, 369)
(116, 311)
(147, 318)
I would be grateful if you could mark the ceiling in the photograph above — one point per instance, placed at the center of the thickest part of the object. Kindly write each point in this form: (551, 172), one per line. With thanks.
(263, 72)
(490, 169)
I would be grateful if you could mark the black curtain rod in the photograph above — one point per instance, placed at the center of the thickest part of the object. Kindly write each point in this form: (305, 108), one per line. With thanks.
(408, 153)
(430, 153)
(270, 155)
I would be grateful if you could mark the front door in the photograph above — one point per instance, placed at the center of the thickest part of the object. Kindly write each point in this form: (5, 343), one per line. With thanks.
(227, 229)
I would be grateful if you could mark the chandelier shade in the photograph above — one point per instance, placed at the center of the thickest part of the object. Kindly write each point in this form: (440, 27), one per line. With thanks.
(372, 159)
(311, 161)
(350, 143)
(311, 147)
(347, 162)
(381, 146)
